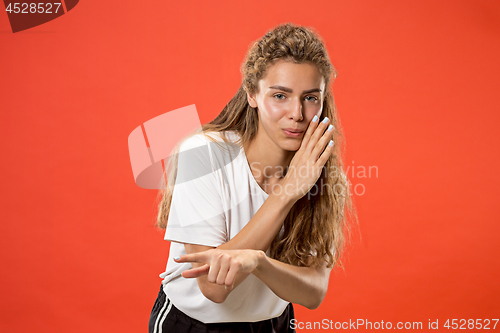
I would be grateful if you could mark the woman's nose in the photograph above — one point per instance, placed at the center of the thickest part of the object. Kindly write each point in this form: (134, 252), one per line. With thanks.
(296, 111)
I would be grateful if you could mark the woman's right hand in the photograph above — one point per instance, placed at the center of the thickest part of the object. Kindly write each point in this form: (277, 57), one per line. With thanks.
(306, 165)
(221, 266)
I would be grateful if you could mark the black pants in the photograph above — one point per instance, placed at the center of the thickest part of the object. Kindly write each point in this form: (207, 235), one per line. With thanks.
(165, 317)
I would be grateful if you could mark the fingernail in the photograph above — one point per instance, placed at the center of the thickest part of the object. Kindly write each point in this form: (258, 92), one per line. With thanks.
(330, 127)
(331, 143)
(177, 258)
(315, 119)
(325, 120)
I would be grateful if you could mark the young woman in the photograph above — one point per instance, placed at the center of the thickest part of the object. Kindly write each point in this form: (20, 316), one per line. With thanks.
(256, 218)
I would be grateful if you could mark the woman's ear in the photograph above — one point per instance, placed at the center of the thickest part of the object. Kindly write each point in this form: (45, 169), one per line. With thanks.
(251, 100)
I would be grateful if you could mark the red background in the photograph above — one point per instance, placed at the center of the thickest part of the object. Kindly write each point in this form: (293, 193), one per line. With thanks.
(417, 93)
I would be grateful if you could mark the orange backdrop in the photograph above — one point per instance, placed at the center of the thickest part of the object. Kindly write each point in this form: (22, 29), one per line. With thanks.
(417, 93)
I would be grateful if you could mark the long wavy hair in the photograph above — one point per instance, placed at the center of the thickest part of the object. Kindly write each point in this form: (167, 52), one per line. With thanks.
(318, 225)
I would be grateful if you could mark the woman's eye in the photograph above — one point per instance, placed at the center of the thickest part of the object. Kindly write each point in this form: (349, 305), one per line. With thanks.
(309, 98)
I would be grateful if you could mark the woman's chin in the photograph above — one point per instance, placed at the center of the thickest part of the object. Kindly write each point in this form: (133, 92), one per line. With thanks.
(291, 145)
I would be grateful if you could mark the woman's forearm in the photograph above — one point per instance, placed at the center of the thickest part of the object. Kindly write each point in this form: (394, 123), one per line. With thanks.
(259, 232)
(306, 286)
(256, 235)
(220, 271)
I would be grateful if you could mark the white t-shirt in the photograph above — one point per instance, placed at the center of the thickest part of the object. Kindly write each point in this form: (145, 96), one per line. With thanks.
(214, 197)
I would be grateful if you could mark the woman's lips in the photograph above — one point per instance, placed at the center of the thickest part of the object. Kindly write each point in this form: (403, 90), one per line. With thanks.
(292, 134)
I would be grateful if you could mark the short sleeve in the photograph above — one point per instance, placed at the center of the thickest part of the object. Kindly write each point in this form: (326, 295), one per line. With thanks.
(196, 213)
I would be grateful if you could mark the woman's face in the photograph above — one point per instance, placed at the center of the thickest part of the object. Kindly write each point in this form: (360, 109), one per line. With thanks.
(289, 96)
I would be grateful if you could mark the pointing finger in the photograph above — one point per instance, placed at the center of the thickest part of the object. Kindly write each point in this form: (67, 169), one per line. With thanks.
(200, 257)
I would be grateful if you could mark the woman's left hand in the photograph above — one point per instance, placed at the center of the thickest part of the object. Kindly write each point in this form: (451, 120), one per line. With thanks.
(221, 265)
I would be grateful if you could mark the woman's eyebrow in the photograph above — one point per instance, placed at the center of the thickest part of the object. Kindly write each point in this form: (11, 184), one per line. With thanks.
(290, 90)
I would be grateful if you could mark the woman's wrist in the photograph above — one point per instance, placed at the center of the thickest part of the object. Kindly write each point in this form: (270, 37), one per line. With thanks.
(285, 199)
(261, 261)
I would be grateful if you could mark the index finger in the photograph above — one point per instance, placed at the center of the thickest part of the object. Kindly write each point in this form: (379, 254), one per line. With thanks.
(200, 257)
(309, 132)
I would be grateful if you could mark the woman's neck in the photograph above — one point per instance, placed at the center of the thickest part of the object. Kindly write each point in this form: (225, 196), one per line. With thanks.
(267, 160)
